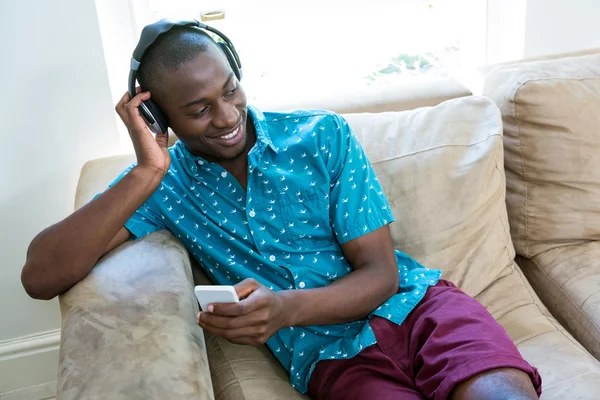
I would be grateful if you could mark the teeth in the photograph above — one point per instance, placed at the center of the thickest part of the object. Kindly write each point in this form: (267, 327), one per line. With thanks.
(232, 134)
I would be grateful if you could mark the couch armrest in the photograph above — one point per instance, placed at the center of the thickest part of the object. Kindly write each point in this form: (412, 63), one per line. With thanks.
(129, 330)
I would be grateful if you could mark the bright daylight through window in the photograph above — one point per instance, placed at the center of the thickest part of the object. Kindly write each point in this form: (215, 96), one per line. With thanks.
(302, 46)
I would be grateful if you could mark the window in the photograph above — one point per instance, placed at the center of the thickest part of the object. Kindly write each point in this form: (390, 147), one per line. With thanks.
(305, 46)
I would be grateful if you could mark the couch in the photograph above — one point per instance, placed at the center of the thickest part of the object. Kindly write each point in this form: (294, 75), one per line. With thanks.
(129, 327)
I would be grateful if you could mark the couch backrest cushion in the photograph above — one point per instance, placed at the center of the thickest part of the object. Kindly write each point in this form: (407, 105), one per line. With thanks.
(442, 170)
(551, 113)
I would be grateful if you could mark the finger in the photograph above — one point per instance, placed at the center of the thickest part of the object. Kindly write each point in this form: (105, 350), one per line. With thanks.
(244, 307)
(137, 100)
(246, 287)
(120, 107)
(229, 323)
(134, 120)
(249, 334)
(227, 309)
(138, 89)
(124, 99)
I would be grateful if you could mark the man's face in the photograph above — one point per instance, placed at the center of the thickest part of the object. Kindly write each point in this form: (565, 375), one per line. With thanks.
(206, 107)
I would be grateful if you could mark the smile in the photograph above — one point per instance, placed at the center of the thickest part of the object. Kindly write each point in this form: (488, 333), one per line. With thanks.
(232, 138)
(232, 134)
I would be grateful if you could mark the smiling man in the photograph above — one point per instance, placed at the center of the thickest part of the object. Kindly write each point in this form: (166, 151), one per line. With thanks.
(286, 207)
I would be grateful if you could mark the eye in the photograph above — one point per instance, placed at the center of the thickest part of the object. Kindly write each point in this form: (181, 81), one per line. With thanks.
(231, 92)
(200, 113)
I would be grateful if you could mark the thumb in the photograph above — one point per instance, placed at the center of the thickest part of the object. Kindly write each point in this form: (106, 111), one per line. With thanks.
(246, 287)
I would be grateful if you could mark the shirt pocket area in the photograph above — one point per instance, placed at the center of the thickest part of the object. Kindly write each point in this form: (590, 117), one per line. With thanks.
(305, 213)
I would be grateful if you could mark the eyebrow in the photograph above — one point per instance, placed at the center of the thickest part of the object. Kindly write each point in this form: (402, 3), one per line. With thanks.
(203, 99)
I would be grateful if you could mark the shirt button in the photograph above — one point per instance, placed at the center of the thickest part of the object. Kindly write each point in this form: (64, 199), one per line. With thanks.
(252, 213)
(200, 162)
(302, 284)
(224, 174)
(272, 258)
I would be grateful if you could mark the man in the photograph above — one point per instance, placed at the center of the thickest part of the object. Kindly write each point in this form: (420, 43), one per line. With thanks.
(287, 208)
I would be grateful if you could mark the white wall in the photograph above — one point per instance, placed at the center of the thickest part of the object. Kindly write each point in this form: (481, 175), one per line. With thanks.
(118, 39)
(56, 112)
(561, 26)
(532, 28)
(506, 30)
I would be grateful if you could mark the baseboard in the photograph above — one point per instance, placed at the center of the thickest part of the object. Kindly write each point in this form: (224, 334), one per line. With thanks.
(45, 391)
(29, 365)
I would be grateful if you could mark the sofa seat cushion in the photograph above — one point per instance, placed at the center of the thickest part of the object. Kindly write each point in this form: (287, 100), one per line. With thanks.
(568, 282)
(568, 371)
(552, 142)
(246, 372)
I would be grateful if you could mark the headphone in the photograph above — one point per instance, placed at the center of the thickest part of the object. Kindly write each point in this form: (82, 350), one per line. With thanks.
(150, 111)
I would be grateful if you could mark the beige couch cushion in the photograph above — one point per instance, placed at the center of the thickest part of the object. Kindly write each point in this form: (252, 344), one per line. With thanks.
(568, 282)
(442, 170)
(552, 143)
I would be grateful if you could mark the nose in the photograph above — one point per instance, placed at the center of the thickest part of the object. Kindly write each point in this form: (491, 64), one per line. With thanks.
(225, 116)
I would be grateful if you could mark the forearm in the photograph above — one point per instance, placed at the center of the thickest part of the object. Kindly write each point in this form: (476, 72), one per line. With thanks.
(348, 299)
(64, 253)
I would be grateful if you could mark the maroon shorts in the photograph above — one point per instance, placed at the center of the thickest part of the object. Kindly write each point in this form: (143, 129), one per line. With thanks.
(447, 339)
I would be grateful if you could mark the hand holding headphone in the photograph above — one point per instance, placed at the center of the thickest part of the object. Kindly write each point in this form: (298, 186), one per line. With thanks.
(150, 111)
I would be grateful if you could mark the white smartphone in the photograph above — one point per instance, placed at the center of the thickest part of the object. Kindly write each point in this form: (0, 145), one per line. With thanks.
(209, 294)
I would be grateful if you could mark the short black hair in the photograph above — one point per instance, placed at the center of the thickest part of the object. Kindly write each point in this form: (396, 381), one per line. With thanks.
(172, 49)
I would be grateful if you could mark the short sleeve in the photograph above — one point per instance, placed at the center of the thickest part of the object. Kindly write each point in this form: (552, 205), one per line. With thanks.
(144, 221)
(357, 202)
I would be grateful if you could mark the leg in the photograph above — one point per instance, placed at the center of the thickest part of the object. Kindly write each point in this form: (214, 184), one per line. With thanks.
(370, 375)
(500, 384)
(456, 344)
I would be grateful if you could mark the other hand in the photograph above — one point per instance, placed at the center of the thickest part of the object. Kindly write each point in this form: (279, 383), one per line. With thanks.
(260, 313)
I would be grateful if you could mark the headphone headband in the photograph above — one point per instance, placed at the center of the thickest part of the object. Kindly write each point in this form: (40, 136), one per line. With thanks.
(151, 32)
(150, 111)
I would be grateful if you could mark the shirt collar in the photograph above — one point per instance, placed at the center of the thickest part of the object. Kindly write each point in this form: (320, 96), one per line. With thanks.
(261, 127)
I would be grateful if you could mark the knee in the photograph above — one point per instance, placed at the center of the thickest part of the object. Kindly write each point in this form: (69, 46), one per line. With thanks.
(497, 384)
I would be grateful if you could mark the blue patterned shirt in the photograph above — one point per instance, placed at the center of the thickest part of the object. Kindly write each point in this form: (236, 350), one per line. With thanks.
(310, 188)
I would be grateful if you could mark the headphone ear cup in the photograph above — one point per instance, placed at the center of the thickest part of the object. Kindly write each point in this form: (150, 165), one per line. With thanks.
(160, 119)
(231, 59)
